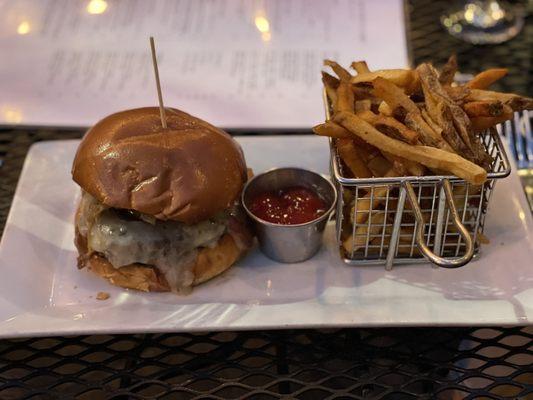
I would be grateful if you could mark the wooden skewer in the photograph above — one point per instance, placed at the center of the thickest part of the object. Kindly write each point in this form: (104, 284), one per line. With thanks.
(158, 84)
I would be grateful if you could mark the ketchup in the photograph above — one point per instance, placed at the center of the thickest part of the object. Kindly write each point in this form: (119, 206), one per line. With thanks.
(290, 206)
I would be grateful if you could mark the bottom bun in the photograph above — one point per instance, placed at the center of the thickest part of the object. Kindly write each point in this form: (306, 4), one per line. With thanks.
(209, 263)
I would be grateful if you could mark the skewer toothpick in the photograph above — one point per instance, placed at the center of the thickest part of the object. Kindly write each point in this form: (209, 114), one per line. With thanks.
(158, 84)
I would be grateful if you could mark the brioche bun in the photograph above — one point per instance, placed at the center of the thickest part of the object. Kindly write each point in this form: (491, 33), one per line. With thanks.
(187, 172)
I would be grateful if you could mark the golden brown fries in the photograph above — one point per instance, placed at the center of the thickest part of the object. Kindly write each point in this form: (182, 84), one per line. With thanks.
(330, 81)
(343, 74)
(450, 118)
(385, 109)
(405, 240)
(369, 201)
(389, 126)
(487, 109)
(480, 124)
(345, 97)
(372, 199)
(398, 100)
(352, 158)
(378, 164)
(448, 71)
(392, 94)
(363, 105)
(457, 93)
(486, 78)
(359, 239)
(425, 155)
(409, 122)
(517, 103)
(332, 129)
(404, 78)
(360, 67)
(330, 85)
(410, 167)
(363, 91)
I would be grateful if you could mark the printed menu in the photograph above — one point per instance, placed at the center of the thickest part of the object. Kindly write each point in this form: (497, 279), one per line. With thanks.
(235, 63)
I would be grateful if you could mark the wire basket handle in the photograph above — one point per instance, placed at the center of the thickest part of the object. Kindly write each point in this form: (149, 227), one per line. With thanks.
(419, 234)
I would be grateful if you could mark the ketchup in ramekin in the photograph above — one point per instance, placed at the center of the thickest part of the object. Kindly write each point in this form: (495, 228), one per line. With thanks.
(288, 206)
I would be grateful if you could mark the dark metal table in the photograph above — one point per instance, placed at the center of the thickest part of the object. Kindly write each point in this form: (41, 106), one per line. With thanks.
(426, 363)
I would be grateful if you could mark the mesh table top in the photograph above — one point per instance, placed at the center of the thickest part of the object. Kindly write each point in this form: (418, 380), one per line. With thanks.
(426, 363)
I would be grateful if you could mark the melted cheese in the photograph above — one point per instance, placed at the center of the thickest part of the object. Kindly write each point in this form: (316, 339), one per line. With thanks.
(170, 246)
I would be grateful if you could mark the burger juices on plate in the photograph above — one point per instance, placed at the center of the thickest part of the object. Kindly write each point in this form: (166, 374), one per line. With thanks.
(159, 208)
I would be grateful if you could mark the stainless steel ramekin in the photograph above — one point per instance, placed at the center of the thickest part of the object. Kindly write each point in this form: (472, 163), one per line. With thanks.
(290, 243)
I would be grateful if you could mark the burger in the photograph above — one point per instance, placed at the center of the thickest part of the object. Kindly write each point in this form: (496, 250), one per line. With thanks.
(159, 207)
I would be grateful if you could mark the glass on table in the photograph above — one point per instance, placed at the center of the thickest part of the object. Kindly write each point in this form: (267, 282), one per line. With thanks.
(483, 21)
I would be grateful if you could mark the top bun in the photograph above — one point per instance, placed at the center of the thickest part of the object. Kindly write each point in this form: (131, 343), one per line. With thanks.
(187, 172)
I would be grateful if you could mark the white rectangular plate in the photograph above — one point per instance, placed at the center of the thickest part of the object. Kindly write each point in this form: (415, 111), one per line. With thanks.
(43, 293)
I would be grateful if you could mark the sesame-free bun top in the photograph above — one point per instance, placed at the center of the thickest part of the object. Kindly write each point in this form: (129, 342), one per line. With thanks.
(187, 172)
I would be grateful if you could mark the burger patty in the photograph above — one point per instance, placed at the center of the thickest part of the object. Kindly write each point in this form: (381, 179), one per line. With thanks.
(168, 245)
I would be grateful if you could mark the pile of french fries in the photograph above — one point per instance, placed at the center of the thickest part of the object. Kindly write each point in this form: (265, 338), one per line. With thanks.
(419, 119)
(413, 122)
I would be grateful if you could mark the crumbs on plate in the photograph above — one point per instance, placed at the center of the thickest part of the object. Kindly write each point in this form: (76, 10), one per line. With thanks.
(102, 296)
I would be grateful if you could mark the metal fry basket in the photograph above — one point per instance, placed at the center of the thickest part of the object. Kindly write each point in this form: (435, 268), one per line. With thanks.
(412, 219)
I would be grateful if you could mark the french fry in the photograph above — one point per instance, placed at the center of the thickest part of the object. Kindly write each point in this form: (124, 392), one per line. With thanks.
(395, 129)
(430, 122)
(457, 93)
(395, 97)
(455, 142)
(428, 136)
(379, 165)
(372, 199)
(404, 246)
(397, 100)
(404, 78)
(367, 151)
(330, 84)
(345, 97)
(332, 129)
(362, 91)
(385, 109)
(330, 80)
(447, 115)
(453, 120)
(480, 124)
(411, 167)
(363, 105)
(357, 241)
(486, 78)
(342, 73)
(389, 126)
(517, 103)
(448, 71)
(425, 155)
(404, 238)
(486, 108)
(369, 201)
(351, 157)
(354, 243)
(360, 67)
